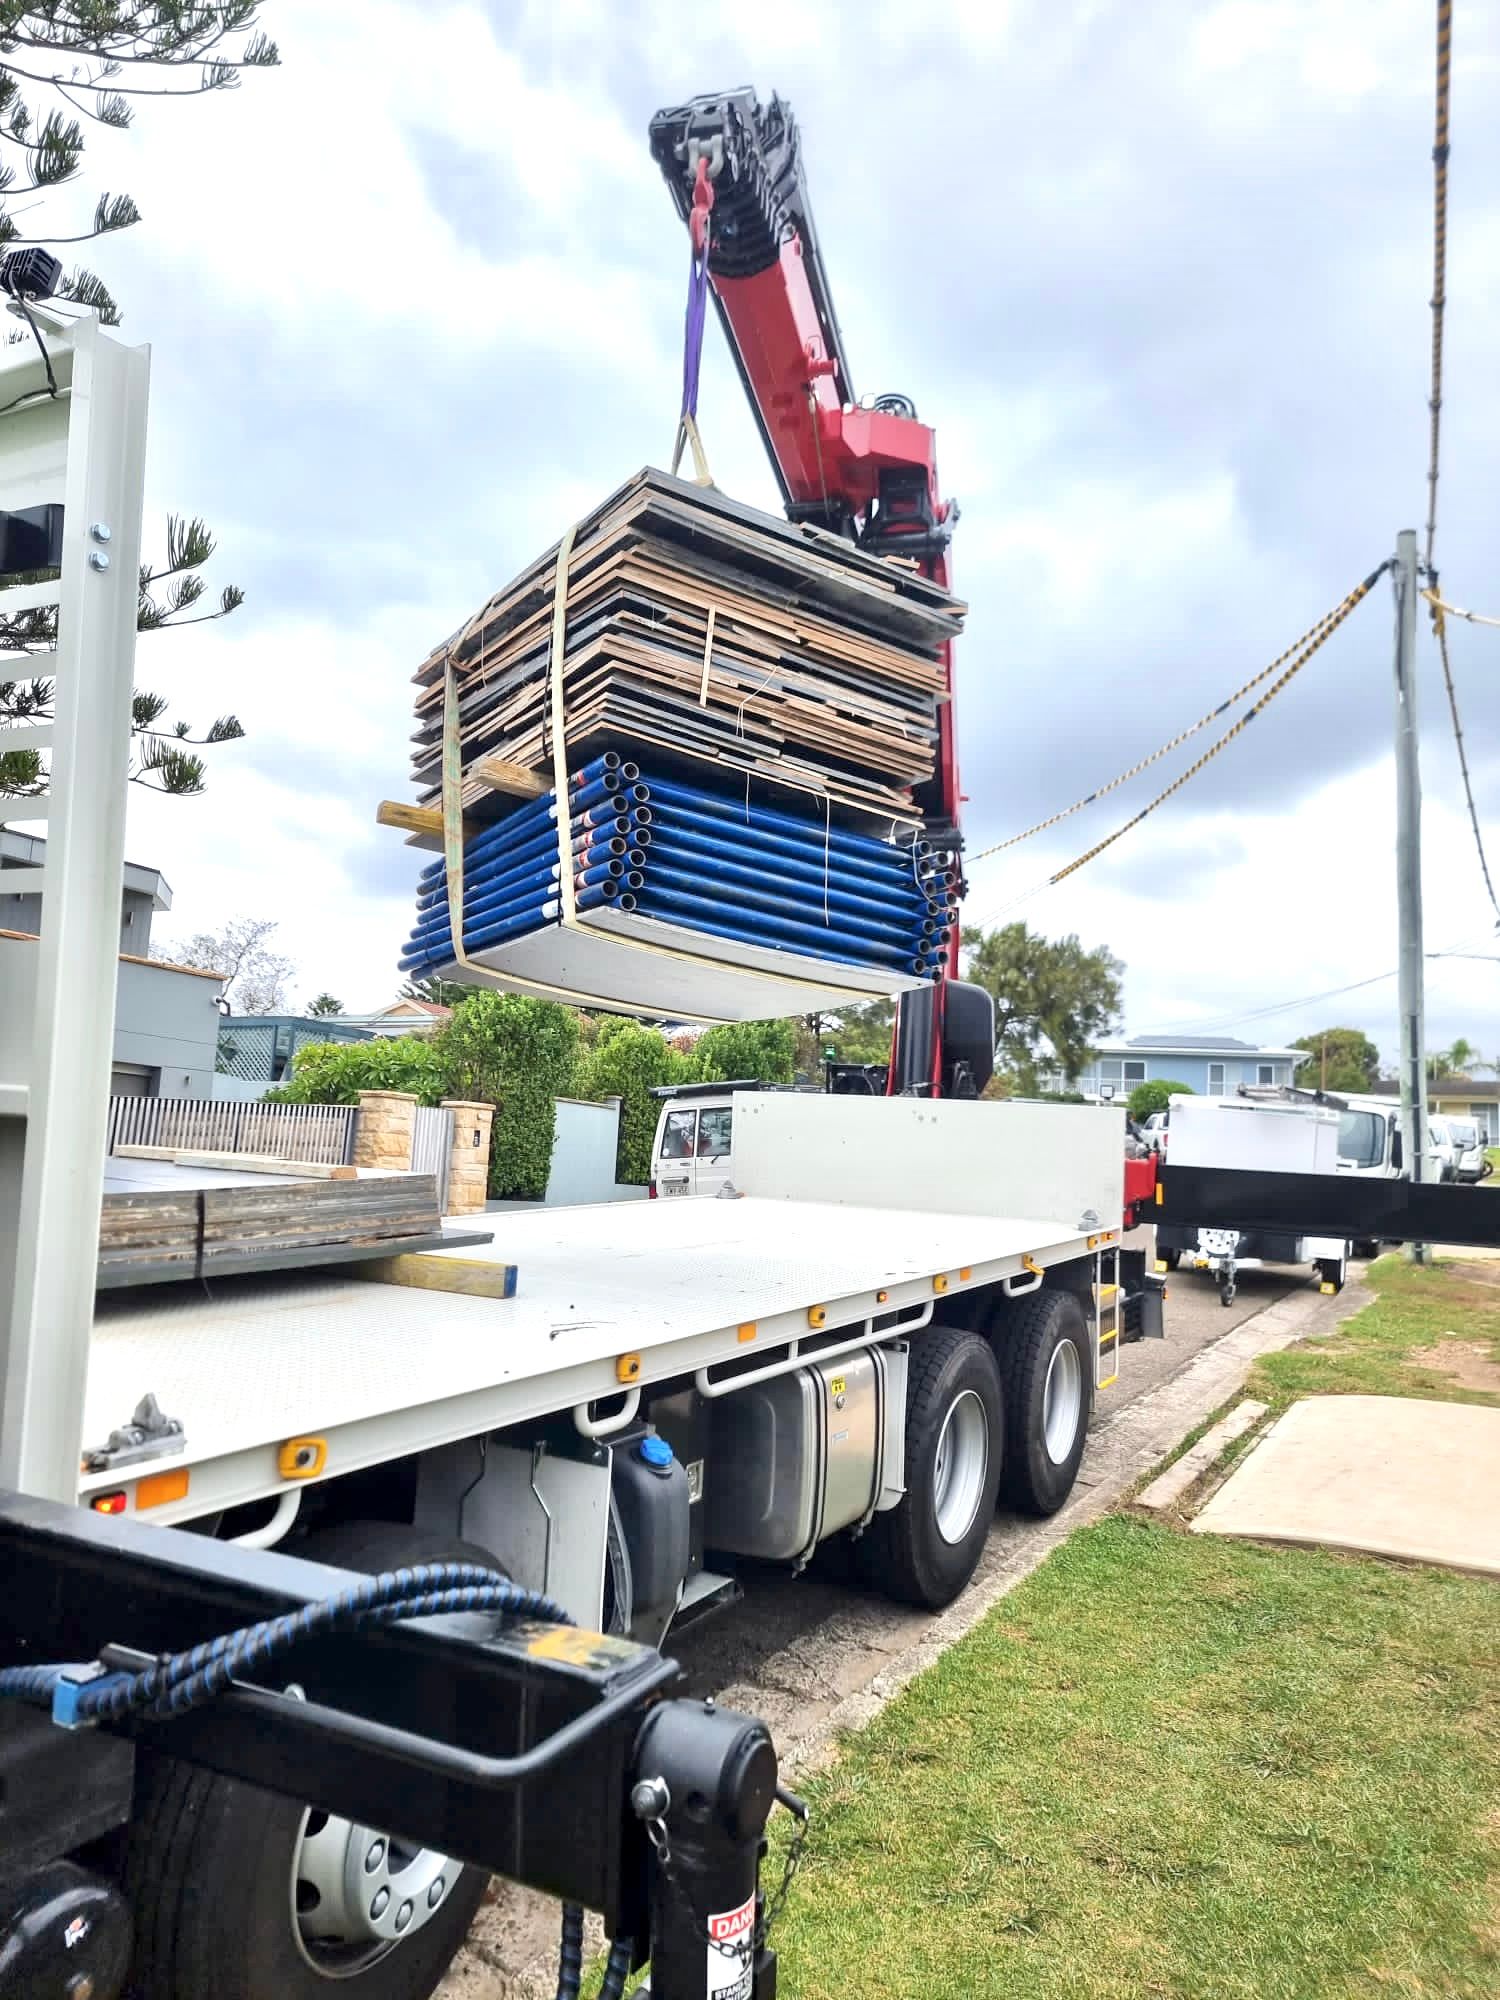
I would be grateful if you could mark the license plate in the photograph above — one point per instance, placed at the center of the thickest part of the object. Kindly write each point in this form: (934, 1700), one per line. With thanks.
(673, 1187)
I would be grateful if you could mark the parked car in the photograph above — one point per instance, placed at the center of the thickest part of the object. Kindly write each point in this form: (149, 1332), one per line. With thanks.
(1469, 1153)
(1154, 1133)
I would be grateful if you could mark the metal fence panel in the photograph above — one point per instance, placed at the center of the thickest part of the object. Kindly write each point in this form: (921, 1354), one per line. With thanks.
(315, 1132)
(432, 1143)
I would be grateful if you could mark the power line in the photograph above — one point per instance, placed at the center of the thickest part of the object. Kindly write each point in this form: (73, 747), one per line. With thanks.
(1314, 633)
(1322, 633)
(1435, 409)
(1312, 999)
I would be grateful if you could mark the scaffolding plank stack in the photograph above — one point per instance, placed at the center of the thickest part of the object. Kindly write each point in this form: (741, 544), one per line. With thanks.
(746, 713)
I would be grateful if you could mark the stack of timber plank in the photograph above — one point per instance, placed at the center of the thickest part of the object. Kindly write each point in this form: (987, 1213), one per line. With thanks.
(161, 1220)
(777, 665)
(821, 670)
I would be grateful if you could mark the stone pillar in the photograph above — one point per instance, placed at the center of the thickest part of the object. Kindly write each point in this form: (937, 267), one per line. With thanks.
(386, 1129)
(469, 1161)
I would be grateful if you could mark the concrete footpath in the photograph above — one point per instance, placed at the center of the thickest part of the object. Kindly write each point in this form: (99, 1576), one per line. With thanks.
(839, 1677)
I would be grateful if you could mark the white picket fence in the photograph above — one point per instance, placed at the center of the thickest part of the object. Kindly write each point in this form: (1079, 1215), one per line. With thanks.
(320, 1132)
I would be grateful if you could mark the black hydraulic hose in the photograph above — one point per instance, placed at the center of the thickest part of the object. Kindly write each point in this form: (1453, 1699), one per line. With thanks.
(570, 1953)
(617, 1969)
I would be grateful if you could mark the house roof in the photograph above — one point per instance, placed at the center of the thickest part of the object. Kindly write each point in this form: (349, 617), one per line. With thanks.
(30, 850)
(397, 1008)
(1469, 1087)
(1197, 1045)
(130, 958)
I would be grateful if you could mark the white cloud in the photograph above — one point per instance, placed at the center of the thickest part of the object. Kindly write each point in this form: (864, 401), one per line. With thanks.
(1159, 273)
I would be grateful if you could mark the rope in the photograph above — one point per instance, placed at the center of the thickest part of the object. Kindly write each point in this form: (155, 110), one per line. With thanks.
(1456, 611)
(1440, 629)
(181, 1681)
(1313, 637)
(1435, 604)
(1321, 636)
(1439, 256)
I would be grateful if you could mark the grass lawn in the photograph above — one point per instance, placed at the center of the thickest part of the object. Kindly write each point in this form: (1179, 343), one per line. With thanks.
(1430, 1332)
(1173, 1766)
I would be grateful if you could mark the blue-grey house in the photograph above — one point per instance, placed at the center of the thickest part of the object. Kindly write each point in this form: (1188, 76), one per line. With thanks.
(1211, 1065)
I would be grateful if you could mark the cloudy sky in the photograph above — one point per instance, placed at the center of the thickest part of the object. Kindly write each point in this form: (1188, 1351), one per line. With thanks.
(1158, 273)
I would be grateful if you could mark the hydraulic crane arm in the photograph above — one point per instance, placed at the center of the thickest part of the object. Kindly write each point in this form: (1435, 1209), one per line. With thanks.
(868, 471)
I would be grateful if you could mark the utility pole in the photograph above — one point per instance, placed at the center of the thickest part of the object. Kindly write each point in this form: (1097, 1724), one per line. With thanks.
(1409, 875)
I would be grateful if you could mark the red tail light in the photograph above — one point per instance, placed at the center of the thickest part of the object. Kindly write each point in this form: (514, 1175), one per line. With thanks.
(651, 1190)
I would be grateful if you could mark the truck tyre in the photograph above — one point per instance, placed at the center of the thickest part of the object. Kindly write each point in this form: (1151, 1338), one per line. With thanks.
(1047, 1366)
(925, 1549)
(1171, 1258)
(224, 1877)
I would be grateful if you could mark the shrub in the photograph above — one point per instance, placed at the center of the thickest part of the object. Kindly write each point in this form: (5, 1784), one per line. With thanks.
(1155, 1096)
(336, 1072)
(518, 1054)
(625, 1061)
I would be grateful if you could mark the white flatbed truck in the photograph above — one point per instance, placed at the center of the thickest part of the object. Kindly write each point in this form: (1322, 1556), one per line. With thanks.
(859, 1228)
(904, 1311)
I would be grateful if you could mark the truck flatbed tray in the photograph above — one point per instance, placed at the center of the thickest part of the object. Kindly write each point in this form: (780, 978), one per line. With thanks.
(379, 1370)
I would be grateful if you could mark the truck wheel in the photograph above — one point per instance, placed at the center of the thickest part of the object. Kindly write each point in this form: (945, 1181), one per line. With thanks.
(1046, 1362)
(925, 1549)
(1171, 1258)
(242, 1894)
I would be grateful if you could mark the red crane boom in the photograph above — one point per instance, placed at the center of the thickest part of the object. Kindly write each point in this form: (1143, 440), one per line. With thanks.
(866, 470)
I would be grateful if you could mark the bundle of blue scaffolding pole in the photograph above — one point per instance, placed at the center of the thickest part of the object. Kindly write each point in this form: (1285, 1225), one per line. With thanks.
(702, 860)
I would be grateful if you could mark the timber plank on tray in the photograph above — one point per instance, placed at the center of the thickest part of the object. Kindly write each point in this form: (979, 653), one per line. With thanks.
(714, 633)
(161, 1220)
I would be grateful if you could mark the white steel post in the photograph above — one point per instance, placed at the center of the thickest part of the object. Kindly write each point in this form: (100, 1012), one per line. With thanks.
(44, 1348)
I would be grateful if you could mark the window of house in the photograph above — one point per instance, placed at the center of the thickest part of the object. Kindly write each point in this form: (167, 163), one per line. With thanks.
(1216, 1079)
(1110, 1068)
(1135, 1072)
(1265, 1073)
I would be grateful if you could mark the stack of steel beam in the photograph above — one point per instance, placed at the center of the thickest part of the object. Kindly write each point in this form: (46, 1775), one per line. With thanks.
(703, 862)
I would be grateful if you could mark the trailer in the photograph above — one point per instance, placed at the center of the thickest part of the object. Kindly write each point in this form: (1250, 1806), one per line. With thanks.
(1252, 1134)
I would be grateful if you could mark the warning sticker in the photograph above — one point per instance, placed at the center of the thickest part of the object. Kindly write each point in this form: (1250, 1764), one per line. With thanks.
(731, 1953)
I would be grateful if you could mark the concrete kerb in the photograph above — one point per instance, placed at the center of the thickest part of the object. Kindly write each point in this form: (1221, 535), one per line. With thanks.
(1123, 1448)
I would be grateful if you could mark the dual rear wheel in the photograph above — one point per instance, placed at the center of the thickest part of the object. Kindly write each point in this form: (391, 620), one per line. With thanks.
(987, 1419)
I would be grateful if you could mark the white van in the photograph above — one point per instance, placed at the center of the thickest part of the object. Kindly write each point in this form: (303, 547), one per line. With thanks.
(690, 1154)
(1468, 1149)
(694, 1134)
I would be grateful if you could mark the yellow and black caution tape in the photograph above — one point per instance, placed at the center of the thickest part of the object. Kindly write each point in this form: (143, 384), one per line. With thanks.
(1310, 641)
(1320, 634)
